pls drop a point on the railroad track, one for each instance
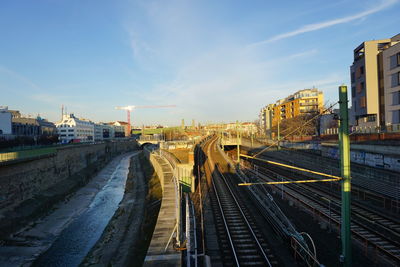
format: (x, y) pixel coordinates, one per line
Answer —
(241, 242)
(367, 226)
(379, 221)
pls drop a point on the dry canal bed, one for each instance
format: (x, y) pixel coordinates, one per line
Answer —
(68, 232)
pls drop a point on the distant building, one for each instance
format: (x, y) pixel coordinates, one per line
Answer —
(328, 121)
(303, 102)
(121, 129)
(5, 121)
(103, 131)
(46, 127)
(25, 127)
(265, 119)
(71, 128)
(248, 128)
(369, 82)
(391, 73)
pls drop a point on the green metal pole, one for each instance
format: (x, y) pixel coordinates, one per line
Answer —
(344, 143)
(279, 135)
(238, 142)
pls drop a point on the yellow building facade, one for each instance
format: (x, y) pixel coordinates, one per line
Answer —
(303, 102)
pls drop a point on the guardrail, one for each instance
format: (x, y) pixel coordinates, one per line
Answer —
(191, 242)
(27, 154)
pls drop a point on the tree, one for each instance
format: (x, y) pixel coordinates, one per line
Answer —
(297, 126)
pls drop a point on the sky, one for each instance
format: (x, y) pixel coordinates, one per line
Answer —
(217, 61)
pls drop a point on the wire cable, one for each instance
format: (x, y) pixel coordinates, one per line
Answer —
(313, 118)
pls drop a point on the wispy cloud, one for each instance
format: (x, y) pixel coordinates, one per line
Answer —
(20, 78)
(325, 24)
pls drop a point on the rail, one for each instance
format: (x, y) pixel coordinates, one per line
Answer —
(362, 232)
(228, 205)
(276, 217)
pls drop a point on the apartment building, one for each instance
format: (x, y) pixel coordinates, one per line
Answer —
(391, 73)
(303, 102)
(368, 82)
(265, 119)
(71, 128)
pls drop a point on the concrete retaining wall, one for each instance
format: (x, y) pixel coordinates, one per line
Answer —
(43, 177)
(383, 157)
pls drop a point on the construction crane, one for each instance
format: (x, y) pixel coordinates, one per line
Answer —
(131, 108)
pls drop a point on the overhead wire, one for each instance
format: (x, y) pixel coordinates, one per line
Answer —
(308, 121)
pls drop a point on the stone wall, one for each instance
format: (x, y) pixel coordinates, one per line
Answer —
(156, 165)
(43, 179)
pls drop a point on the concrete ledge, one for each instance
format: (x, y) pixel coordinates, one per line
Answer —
(161, 251)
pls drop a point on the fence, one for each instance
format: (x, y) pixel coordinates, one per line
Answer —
(27, 154)
(394, 128)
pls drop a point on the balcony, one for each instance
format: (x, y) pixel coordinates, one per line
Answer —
(309, 104)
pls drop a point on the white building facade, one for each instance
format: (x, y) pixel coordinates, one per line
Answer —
(73, 129)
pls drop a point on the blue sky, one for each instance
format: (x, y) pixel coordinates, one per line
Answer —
(218, 61)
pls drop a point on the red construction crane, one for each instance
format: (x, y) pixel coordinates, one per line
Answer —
(131, 108)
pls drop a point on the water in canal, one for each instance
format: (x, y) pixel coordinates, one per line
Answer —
(75, 241)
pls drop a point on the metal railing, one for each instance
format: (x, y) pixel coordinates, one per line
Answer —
(191, 239)
(394, 128)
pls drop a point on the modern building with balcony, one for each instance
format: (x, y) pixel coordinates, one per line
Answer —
(391, 73)
(303, 102)
(368, 81)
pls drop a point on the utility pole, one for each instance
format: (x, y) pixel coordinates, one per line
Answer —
(238, 142)
(344, 143)
(252, 138)
(279, 134)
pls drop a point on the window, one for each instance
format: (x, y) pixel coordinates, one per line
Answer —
(395, 61)
(353, 78)
(353, 91)
(398, 59)
(396, 79)
(371, 118)
(396, 116)
(63, 131)
(362, 70)
(70, 130)
(363, 102)
(396, 98)
(360, 87)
